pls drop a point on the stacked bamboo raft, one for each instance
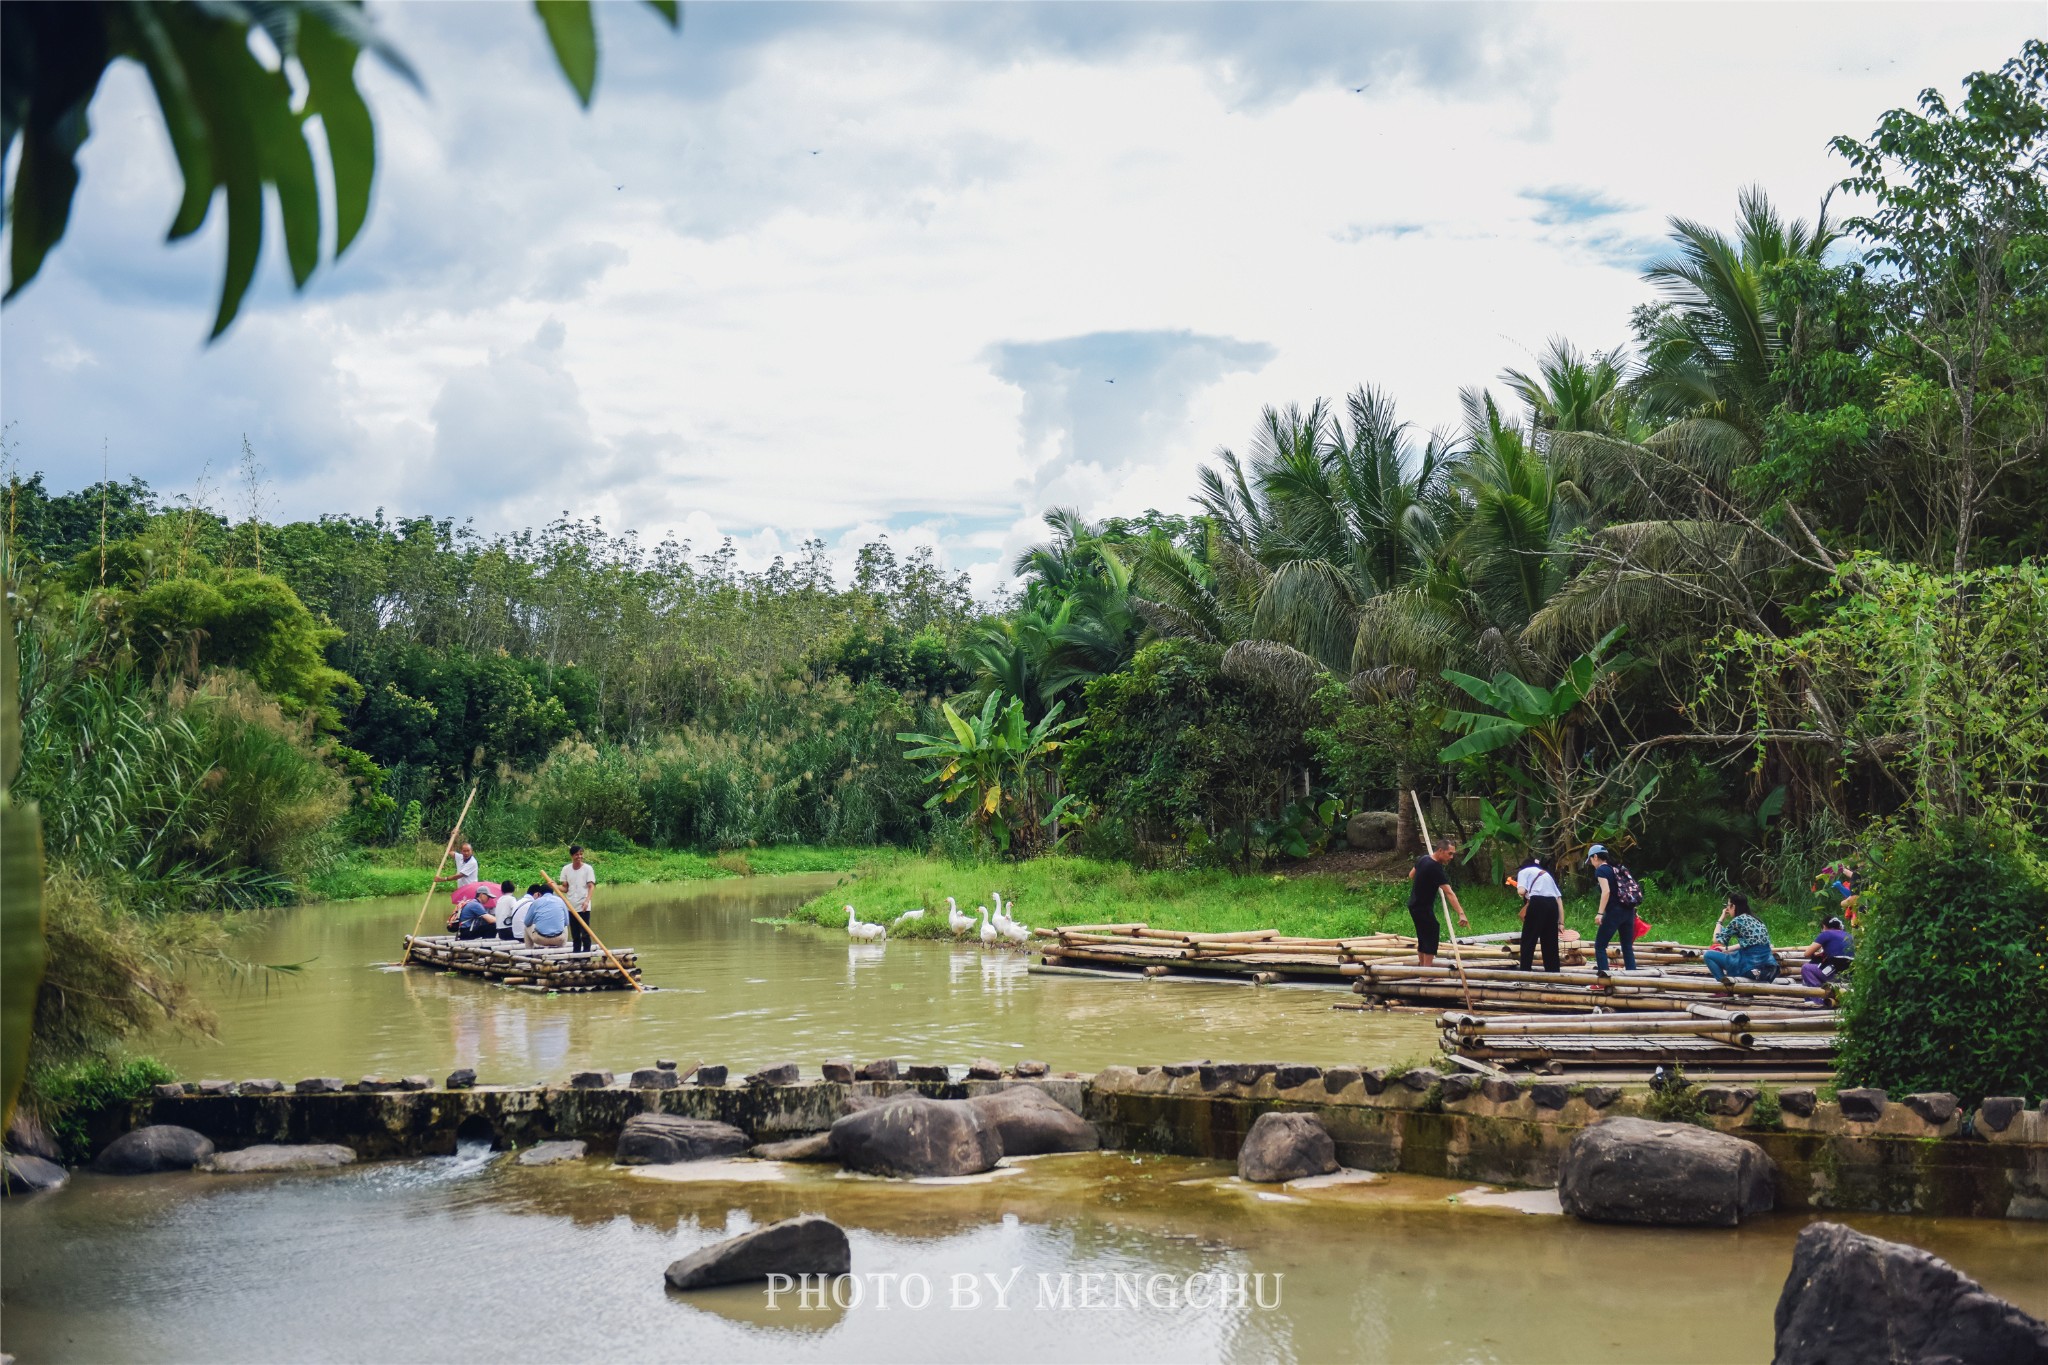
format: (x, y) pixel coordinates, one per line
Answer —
(1260, 953)
(1570, 991)
(513, 964)
(1747, 1037)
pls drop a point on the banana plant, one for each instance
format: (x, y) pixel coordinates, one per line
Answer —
(996, 758)
(23, 948)
(1544, 724)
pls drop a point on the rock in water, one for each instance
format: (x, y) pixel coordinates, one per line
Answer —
(548, 1153)
(302, 1156)
(1286, 1147)
(1031, 1122)
(1854, 1298)
(159, 1147)
(810, 1147)
(913, 1136)
(663, 1139)
(1626, 1170)
(805, 1245)
(27, 1174)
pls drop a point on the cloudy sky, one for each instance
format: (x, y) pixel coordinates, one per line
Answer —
(847, 270)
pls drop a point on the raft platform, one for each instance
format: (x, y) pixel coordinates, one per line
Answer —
(541, 970)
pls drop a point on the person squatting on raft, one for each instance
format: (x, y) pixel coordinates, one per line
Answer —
(474, 918)
(1428, 877)
(1752, 953)
(1542, 912)
(1831, 950)
(1616, 917)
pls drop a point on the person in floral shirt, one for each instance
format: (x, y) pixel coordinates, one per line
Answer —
(1745, 943)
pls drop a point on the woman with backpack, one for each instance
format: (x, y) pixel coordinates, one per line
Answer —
(1620, 894)
(1745, 944)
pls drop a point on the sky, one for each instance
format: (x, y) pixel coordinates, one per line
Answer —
(842, 271)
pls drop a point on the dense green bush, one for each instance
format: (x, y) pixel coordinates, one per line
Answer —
(66, 1095)
(1951, 984)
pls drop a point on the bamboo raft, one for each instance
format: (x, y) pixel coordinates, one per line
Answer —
(1750, 1037)
(512, 964)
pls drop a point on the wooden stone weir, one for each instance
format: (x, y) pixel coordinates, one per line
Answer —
(513, 964)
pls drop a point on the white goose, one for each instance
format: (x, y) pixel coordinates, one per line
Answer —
(1001, 921)
(866, 933)
(988, 931)
(1019, 933)
(906, 917)
(956, 921)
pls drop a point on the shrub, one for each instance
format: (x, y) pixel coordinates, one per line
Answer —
(67, 1095)
(1951, 984)
(587, 793)
(1678, 1100)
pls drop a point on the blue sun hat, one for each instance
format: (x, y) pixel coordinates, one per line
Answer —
(1600, 849)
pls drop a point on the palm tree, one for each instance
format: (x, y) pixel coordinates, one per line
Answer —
(1710, 348)
(1573, 391)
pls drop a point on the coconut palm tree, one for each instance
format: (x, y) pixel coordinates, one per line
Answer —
(1572, 390)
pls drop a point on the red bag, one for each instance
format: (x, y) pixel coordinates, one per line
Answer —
(1642, 926)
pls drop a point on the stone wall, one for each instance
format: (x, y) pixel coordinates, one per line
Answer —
(1922, 1155)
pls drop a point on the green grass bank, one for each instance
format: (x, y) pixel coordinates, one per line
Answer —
(1053, 891)
(402, 871)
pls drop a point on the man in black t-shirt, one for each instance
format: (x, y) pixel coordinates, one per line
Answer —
(1426, 878)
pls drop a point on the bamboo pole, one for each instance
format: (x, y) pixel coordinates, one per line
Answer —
(453, 835)
(631, 980)
(1422, 823)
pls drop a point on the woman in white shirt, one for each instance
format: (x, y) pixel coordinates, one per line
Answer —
(1542, 912)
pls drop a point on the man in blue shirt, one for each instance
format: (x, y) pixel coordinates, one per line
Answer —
(547, 921)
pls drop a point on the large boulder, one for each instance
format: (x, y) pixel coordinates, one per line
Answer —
(549, 1153)
(805, 1245)
(663, 1139)
(1627, 1170)
(26, 1135)
(1286, 1147)
(159, 1147)
(1032, 1123)
(297, 1156)
(1853, 1298)
(1372, 830)
(809, 1147)
(914, 1136)
(25, 1174)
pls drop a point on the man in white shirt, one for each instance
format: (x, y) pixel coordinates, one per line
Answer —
(1542, 912)
(465, 868)
(579, 880)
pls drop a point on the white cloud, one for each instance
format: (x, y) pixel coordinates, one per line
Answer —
(819, 272)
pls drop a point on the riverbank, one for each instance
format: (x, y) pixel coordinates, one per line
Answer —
(363, 873)
(1054, 891)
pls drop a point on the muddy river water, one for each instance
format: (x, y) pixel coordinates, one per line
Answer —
(1103, 1256)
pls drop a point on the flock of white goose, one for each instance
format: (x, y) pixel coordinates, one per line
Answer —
(994, 930)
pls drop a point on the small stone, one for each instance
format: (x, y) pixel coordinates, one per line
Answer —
(374, 1085)
(216, 1087)
(1457, 1088)
(1287, 1077)
(810, 1147)
(1499, 1089)
(1210, 1075)
(189, 1087)
(590, 1080)
(709, 1075)
(1178, 1069)
(1861, 1105)
(1032, 1068)
(1550, 1094)
(1600, 1096)
(262, 1085)
(548, 1153)
(1244, 1073)
(268, 1156)
(1997, 1112)
(319, 1085)
(1800, 1102)
(169, 1091)
(839, 1073)
(1338, 1078)
(25, 1174)
(462, 1078)
(802, 1246)
(782, 1073)
(1727, 1101)
(1936, 1107)
(404, 1083)
(928, 1075)
(1421, 1078)
(665, 1063)
(1280, 1147)
(1375, 1079)
(883, 1070)
(984, 1069)
(654, 1078)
